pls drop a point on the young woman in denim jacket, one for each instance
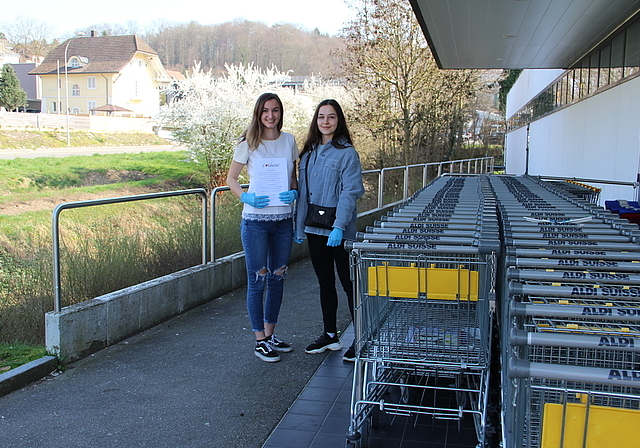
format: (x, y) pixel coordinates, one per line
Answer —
(329, 175)
(266, 229)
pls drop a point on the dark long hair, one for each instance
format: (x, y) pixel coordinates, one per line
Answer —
(314, 136)
(253, 133)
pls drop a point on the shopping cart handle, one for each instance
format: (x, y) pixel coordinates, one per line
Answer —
(517, 309)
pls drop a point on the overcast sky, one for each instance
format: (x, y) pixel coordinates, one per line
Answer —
(65, 16)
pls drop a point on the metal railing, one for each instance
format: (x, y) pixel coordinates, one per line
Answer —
(78, 204)
(468, 166)
(429, 171)
(214, 195)
(480, 165)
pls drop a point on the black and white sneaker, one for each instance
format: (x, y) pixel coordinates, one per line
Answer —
(266, 352)
(350, 354)
(324, 342)
(279, 345)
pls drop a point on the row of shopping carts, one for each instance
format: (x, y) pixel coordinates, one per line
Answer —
(569, 318)
(424, 291)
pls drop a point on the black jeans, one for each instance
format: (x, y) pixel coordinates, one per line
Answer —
(324, 258)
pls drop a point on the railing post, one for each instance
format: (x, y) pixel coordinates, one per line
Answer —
(56, 262)
(205, 229)
(380, 188)
(424, 174)
(405, 193)
(213, 218)
(212, 223)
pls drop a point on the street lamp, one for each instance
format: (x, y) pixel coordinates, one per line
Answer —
(66, 88)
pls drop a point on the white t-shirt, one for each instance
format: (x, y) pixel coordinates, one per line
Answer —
(283, 147)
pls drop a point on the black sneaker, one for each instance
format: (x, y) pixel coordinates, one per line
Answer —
(350, 354)
(324, 342)
(279, 345)
(266, 352)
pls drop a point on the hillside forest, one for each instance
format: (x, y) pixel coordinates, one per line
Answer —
(289, 47)
(405, 109)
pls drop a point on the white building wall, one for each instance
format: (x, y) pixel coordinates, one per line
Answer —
(145, 100)
(596, 138)
(515, 151)
(528, 85)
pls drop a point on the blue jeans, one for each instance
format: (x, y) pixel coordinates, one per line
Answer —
(267, 246)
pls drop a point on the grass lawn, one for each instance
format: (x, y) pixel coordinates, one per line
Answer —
(15, 355)
(29, 191)
(57, 138)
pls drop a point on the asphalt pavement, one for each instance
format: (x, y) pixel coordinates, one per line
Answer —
(192, 381)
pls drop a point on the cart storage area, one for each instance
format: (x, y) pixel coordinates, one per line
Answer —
(569, 320)
(425, 278)
(504, 301)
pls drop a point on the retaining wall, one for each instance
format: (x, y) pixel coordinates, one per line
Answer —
(19, 120)
(79, 330)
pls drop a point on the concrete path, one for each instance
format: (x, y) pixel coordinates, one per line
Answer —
(192, 381)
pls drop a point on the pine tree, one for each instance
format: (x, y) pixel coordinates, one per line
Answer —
(12, 96)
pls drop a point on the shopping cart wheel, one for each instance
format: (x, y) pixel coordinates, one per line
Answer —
(353, 440)
(360, 439)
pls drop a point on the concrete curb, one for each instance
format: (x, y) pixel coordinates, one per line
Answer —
(26, 374)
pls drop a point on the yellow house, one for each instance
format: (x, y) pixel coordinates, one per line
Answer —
(119, 75)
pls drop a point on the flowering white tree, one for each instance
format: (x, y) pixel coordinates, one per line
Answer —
(207, 114)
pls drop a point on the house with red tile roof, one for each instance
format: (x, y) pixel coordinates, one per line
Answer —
(119, 75)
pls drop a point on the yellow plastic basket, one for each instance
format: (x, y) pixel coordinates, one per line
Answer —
(412, 281)
(606, 427)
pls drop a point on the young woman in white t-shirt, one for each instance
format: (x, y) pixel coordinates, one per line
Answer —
(267, 219)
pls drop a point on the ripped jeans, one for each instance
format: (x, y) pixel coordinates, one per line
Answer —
(267, 246)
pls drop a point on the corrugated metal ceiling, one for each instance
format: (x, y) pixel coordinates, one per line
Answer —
(498, 34)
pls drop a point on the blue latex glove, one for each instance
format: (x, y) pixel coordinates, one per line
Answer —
(254, 201)
(288, 196)
(298, 240)
(335, 237)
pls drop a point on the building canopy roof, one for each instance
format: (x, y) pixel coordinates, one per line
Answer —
(518, 34)
(103, 54)
(110, 108)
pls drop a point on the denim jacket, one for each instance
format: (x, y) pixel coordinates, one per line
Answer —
(334, 178)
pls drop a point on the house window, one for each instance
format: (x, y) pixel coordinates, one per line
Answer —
(75, 63)
(91, 105)
(54, 107)
(632, 50)
(91, 82)
(75, 90)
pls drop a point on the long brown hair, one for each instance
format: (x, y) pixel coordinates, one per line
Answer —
(314, 136)
(253, 133)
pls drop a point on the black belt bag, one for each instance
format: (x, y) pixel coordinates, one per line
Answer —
(317, 215)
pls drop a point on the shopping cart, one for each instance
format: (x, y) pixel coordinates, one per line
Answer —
(570, 321)
(423, 313)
